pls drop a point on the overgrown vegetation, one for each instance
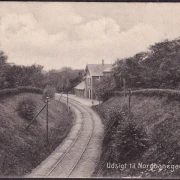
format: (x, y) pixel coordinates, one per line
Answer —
(63, 78)
(157, 68)
(22, 150)
(27, 108)
(104, 88)
(151, 135)
(129, 142)
(162, 93)
(13, 91)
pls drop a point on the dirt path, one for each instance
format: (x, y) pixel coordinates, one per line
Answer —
(79, 153)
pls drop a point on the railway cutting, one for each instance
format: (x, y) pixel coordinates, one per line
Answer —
(79, 153)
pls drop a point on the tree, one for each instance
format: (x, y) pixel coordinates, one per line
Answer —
(157, 68)
(4, 67)
(59, 78)
(104, 88)
(128, 70)
(25, 76)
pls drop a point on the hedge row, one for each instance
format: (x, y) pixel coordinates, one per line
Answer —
(14, 91)
(168, 93)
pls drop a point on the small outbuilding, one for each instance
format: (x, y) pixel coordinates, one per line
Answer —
(80, 89)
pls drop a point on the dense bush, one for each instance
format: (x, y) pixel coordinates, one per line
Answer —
(49, 91)
(168, 93)
(104, 89)
(14, 91)
(30, 89)
(27, 108)
(126, 139)
(63, 79)
(115, 117)
(128, 142)
(7, 92)
(158, 67)
(166, 145)
(16, 76)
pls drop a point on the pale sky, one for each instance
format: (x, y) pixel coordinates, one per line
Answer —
(57, 34)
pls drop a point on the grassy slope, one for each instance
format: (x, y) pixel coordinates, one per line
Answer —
(160, 118)
(22, 150)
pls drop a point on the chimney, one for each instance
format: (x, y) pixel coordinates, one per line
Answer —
(102, 65)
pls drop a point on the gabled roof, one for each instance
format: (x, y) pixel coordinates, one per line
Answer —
(109, 69)
(80, 85)
(96, 69)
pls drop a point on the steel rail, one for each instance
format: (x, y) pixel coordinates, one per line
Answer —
(71, 146)
(65, 152)
(92, 130)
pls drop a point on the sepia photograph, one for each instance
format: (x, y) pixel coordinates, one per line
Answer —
(89, 90)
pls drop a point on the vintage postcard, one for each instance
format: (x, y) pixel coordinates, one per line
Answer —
(89, 90)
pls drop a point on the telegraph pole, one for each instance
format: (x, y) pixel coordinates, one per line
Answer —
(47, 100)
(124, 84)
(124, 80)
(45, 106)
(67, 95)
(130, 92)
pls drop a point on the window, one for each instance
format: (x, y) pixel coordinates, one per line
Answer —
(89, 81)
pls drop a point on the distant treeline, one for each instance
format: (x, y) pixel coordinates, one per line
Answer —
(13, 76)
(159, 67)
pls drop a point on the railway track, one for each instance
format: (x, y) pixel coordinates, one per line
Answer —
(79, 153)
(64, 167)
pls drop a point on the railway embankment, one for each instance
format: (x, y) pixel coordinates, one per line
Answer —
(142, 141)
(21, 149)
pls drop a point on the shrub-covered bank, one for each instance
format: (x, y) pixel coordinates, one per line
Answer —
(23, 89)
(22, 150)
(167, 93)
(155, 122)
